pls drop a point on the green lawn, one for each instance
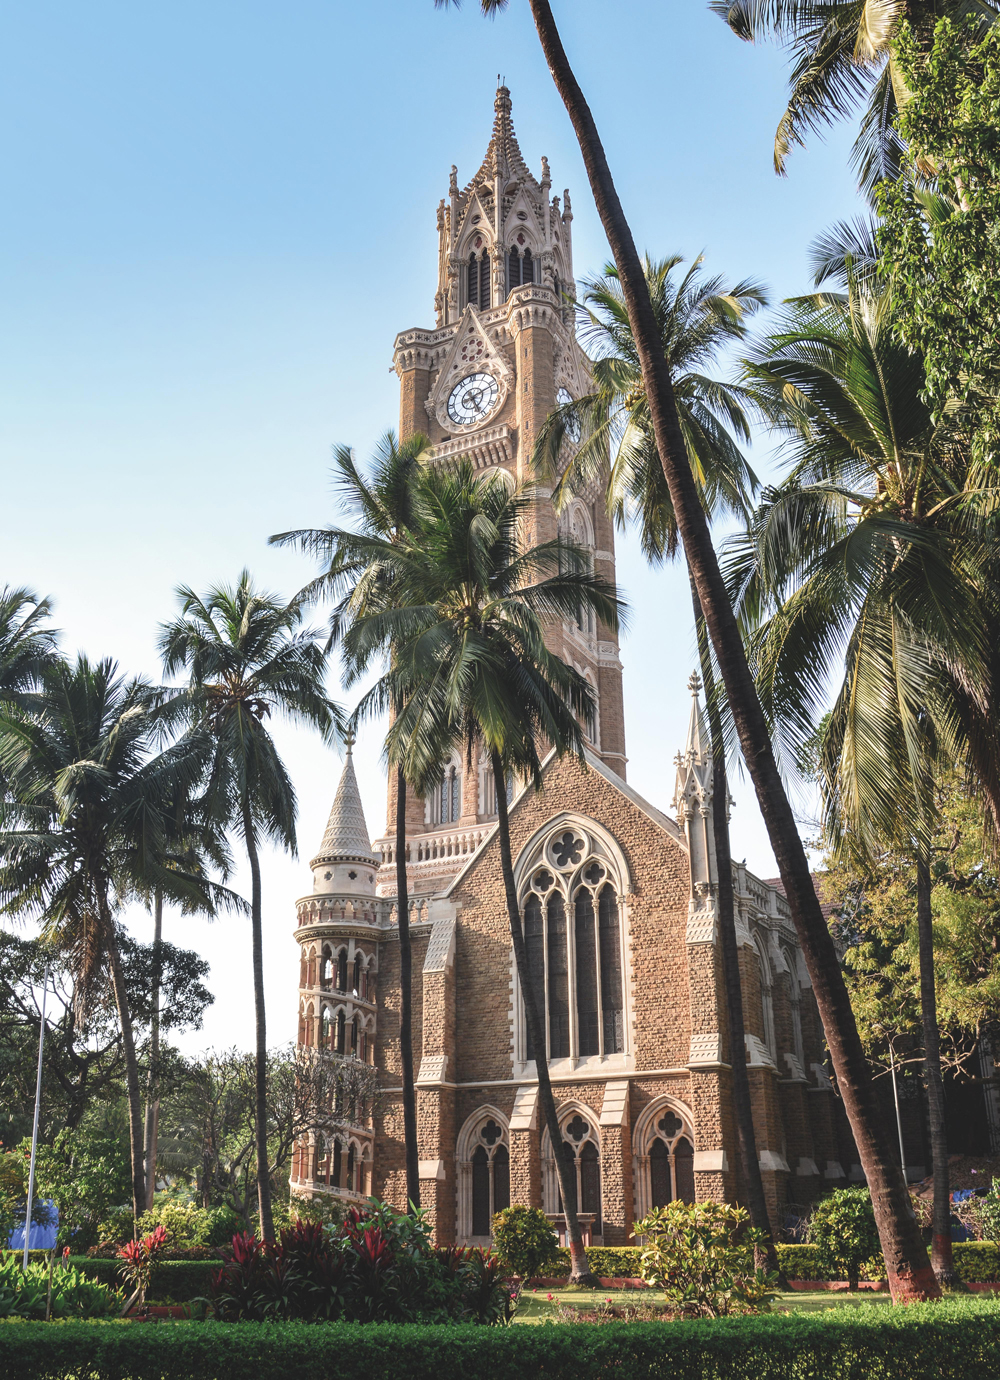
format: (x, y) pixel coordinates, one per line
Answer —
(543, 1304)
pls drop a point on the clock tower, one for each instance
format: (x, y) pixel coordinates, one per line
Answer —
(502, 355)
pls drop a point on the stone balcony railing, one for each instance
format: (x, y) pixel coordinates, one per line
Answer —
(427, 852)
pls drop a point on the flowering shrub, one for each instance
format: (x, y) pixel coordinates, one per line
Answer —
(376, 1266)
(140, 1258)
(702, 1256)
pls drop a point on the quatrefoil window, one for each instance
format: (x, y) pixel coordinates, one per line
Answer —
(567, 849)
(577, 1128)
(491, 1133)
(542, 880)
(669, 1125)
(593, 873)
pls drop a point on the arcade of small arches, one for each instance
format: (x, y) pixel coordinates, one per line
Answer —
(519, 264)
(341, 1163)
(338, 1027)
(572, 883)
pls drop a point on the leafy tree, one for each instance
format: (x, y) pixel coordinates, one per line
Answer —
(83, 1061)
(939, 241)
(209, 1133)
(875, 902)
(84, 828)
(842, 1226)
(910, 1275)
(359, 580)
(248, 658)
(27, 643)
(844, 56)
(466, 624)
(697, 318)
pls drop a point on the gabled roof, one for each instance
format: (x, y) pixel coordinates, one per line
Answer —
(595, 764)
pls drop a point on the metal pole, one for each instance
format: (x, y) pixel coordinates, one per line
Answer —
(899, 1124)
(34, 1129)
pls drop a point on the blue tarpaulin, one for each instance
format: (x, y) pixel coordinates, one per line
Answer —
(44, 1228)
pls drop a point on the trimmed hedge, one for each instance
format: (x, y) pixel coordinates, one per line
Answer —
(607, 1262)
(954, 1340)
(174, 1281)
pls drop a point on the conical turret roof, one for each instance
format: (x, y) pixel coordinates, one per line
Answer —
(346, 838)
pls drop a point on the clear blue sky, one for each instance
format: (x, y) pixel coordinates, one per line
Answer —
(216, 218)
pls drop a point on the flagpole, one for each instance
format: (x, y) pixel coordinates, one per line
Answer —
(34, 1129)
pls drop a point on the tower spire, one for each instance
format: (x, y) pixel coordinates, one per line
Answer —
(346, 838)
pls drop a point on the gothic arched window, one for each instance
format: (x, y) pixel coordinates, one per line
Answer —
(520, 268)
(663, 1156)
(356, 983)
(574, 943)
(484, 1173)
(766, 1001)
(341, 1032)
(342, 971)
(478, 281)
(448, 801)
(580, 1148)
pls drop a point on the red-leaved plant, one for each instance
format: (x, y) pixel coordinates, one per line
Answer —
(138, 1261)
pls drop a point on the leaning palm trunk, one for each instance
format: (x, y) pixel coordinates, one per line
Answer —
(260, 1022)
(752, 1181)
(406, 1002)
(131, 1064)
(580, 1272)
(153, 1077)
(941, 1253)
(907, 1266)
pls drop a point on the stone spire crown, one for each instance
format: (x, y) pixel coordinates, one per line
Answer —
(694, 765)
(346, 840)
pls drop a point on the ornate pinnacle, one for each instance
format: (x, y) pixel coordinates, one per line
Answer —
(694, 683)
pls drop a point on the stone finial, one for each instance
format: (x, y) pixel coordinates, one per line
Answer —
(567, 207)
(546, 175)
(694, 683)
(453, 181)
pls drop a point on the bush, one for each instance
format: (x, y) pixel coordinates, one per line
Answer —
(801, 1262)
(189, 1227)
(954, 1340)
(702, 1256)
(24, 1294)
(976, 1262)
(842, 1228)
(378, 1266)
(525, 1241)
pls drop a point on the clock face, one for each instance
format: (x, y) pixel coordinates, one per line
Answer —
(473, 399)
(563, 397)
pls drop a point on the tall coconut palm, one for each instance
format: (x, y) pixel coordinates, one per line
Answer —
(359, 580)
(249, 659)
(698, 318)
(85, 823)
(878, 550)
(907, 1266)
(471, 666)
(842, 59)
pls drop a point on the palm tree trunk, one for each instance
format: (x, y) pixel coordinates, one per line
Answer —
(260, 1022)
(153, 1077)
(752, 1181)
(406, 1002)
(941, 1253)
(580, 1272)
(907, 1266)
(131, 1064)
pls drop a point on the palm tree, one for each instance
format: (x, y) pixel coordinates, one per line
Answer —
(908, 1269)
(874, 550)
(358, 578)
(27, 643)
(85, 821)
(842, 55)
(196, 846)
(248, 658)
(697, 317)
(470, 666)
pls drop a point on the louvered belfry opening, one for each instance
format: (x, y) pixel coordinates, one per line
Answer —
(479, 280)
(520, 269)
